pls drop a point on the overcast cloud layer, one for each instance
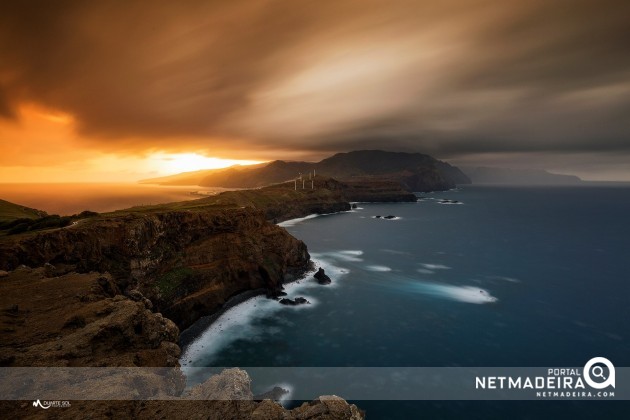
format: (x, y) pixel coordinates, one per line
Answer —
(452, 78)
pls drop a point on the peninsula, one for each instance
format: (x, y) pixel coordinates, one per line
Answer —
(115, 289)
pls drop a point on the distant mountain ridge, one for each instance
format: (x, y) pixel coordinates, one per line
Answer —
(414, 172)
(488, 175)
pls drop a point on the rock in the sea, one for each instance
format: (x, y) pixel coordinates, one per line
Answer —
(294, 302)
(354, 205)
(377, 217)
(274, 394)
(321, 277)
(389, 217)
(275, 294)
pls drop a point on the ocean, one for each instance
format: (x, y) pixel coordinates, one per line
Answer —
(496, 276)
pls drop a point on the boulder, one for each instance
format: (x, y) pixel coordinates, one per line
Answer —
(274, 394)
(321, 277)
(275, 294)
(294, 302)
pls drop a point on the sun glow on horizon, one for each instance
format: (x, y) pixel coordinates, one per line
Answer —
(170, 164)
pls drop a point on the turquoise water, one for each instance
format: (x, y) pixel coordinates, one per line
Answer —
(506, 277)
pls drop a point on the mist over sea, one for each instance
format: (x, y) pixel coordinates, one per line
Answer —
(505, 276)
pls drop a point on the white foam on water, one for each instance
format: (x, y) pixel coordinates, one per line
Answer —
(468, 294)
(233, 324)
(344, 255)
(293, 222)
(448, 202)
(435, 266)
(286, 398)
(425, 271)
(238, 321)
(351, 252)
(332, 269)
(380, 268)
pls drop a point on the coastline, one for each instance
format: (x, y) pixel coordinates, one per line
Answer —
(192, 333)
(125, 276)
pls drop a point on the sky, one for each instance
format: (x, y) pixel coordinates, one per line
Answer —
(124, 90)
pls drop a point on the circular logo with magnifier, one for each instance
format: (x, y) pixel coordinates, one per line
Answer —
(598, 376)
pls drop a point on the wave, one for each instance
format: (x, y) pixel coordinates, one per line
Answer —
(435, 266)
(344, 255)
(331, 267)
(293, 222)
(468, 294)
(351, 252)
(380, 268)
(239, 322)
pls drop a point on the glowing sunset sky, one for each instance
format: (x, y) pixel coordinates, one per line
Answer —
(124, 90)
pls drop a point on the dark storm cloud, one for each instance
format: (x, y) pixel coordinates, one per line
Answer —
(449, 78)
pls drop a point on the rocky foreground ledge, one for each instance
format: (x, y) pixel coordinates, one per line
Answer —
(223, 396)
(115, 289)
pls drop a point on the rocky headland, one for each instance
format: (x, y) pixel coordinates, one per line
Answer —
(116, 289)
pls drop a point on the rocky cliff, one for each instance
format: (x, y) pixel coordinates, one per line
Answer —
(116, 288)
(188, 263)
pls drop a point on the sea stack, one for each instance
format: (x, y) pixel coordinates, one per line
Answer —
(321, 277)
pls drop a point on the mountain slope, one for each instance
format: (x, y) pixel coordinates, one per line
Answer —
(11, 211)
(195, 177)
(413, 171)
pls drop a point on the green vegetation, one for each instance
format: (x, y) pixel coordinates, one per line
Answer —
(262, 198)
(170, 281)
(11, 211)
(24, 224)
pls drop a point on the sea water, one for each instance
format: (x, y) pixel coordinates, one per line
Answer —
(498, 276)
